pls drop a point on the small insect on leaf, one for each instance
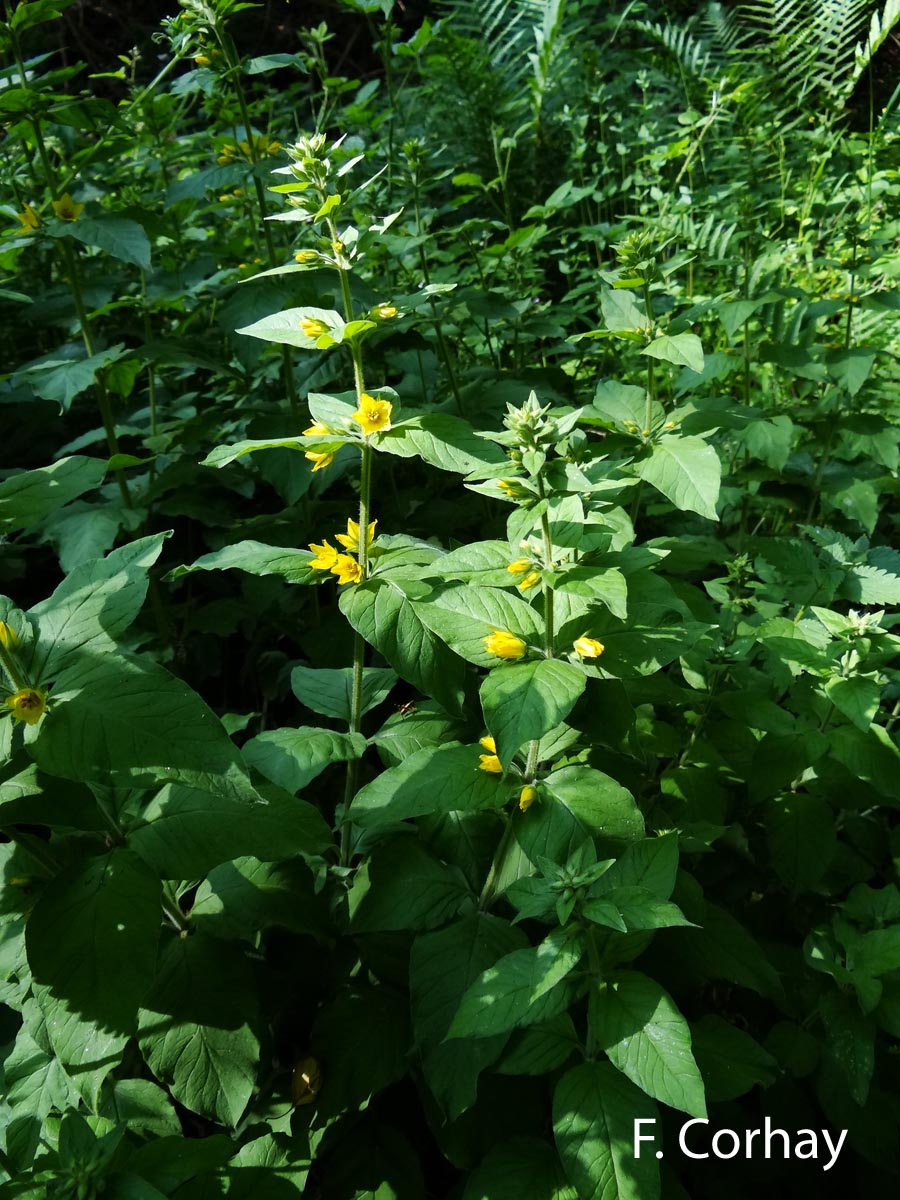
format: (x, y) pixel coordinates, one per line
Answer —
(306, 1081)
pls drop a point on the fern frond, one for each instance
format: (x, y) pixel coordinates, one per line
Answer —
(880, 27)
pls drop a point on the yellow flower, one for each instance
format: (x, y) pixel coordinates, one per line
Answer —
(586, 647)
(373, 415)
(202, 60)
(312, 327)
(347, 569)
(527, 797)
(317, 429)
(306, 256)
(489, 762)
(8, 639)
(504, 644)
(520, 566)
(531, 580)
(29, 218)
(66, 208)
(274, 148)
(326, 556)
(28, 705)
(320, 459)
(384, 312)
(350, 539)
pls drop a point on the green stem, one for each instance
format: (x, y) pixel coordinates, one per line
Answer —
(548, 565)
(487, 892)
(172, 908)
(597, 977)
(11, 667)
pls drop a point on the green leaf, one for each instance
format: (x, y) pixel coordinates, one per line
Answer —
(523, 1168)
(293, 757)
(330, 692)
(463, 617)
(857, 697)
(651, 863)
(122, 238)
(802, 838)
(851, 367)
(519, 988)
(384, 615)
(730, 1061)
(30, 496)
(87, 1048)
(594, 1114)
(256, 559)
(434, 779)
(442, 441)
(221, 456)
(540, 1048)
(524, 701)
(238, 899)
(96, 921)
(195, 1027)
(114, 719)
(645, 1036)
(356, 1064)
(62, 379)
(142, 1106)
(92, 606)
(723, 949)
(872, 756)
(187, 831)
(636, 907)
(605, 584)
(682, 349)
(285, 329)
(442, 965)
(588, 803)
(687, 471)
(402, 886)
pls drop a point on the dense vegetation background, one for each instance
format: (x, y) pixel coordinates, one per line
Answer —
(448, 519)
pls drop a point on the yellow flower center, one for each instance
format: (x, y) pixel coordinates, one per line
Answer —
(28, 705)
(373, 416)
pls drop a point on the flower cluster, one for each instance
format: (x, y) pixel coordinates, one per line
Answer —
(346, 567)
(257, 146)
(526, 568)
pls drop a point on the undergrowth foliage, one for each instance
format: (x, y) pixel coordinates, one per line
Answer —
(449, 663)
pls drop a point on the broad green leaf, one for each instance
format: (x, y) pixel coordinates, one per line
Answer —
(221, 456)
(187, 832)
(293, 757)
(131, 722)
(519, 988)
(239, 898)
(256, 559)
(521, 1169)
(442, 441)
(540, 1048)
(195, 1029)
(682, 349)
(721, 948)
(88, 1049)
(802, 838)
(464, 617)
(593, 804)
(622, 403)
(850, 367)
(605, 584)
(522, 702)
(442, 965)
(96, 921)
(358, 1063)
(651, 863)
(402, 886)
(872, 756)
(636, 907)
(857, 697)
(620, 312)
(330, 692)
(122, 238)
(645, 1036)
(437, 779)
(730, 1061)
(595, 1110)
(35, 1082)
(386, 617)
(877, 952)
(142, 1106)
(61, 380)
(285, 328)
(31, 496)
(168, 1162)
(687, 471)
(91, 607)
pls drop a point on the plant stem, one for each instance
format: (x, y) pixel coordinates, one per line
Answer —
(172, 908)
(487, 892)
